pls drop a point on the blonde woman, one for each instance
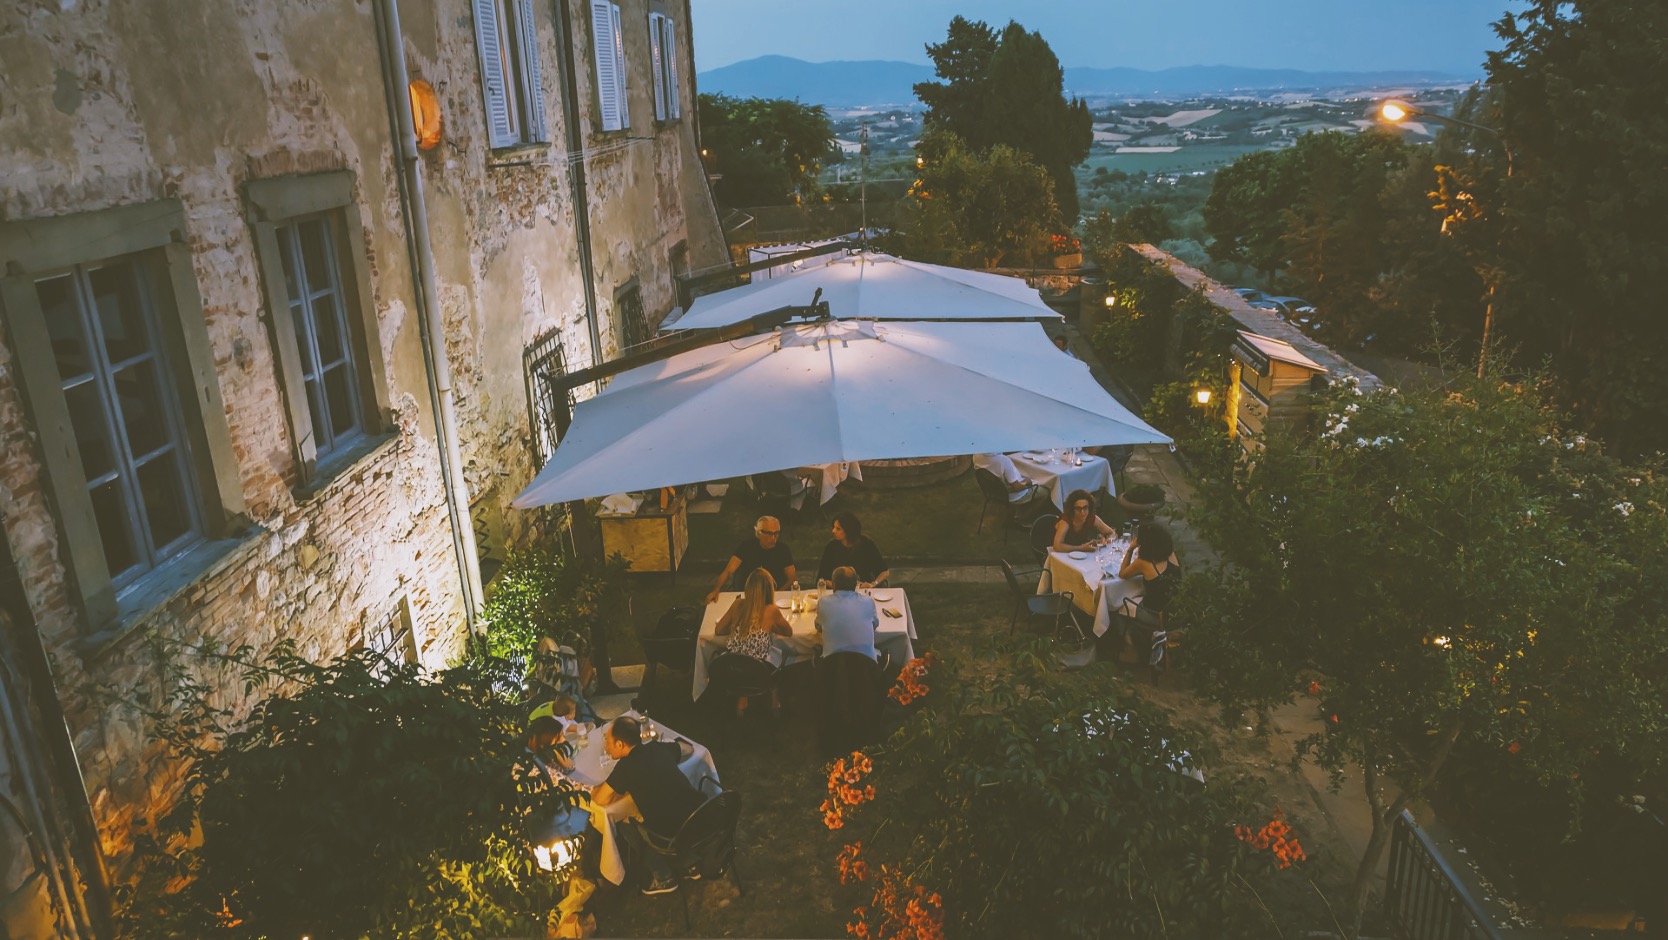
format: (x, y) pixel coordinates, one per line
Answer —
(754, 618)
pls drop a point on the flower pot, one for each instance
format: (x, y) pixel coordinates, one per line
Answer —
(1139, 510)
(1067, 262)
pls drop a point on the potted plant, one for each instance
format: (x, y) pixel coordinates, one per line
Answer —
(1067, 252)
(1141, 499)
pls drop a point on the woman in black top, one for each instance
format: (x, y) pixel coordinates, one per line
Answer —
(850, 547)
(1152, 556)
(1079, 529)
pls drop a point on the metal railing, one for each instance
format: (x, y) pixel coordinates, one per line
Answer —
(1425, 899)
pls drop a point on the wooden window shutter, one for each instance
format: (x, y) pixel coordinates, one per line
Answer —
(620, 99)
(657, 65)
(669, 49)
(602, 34)
(500, 130)
(534, 76)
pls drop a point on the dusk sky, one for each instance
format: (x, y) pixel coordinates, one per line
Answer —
(1445, 35)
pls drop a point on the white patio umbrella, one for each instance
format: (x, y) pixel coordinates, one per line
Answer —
(870, 286)
(827, 392)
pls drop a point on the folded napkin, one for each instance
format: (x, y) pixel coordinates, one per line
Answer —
(619, 504)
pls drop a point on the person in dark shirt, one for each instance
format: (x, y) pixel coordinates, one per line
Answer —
(850, 548)
(764, 550)
(649, 774)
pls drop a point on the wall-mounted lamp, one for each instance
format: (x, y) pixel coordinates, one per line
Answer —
(425, 115)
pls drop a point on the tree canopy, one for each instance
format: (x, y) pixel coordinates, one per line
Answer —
(979, 208)
(1455, 574)
(1008, 89)
(1585, 233)
(769, 151)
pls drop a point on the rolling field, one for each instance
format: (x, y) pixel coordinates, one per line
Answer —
(1203, 157)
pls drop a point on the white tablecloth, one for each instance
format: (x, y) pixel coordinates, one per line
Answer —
(1093, 580)
(592, 765)
(833, 474)
(1061, 478)
(893, 636)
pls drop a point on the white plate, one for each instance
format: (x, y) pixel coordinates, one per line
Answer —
(882, 596)
(785, 605)
(1079, 555)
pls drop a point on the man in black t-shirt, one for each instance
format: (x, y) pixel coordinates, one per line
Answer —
(764, 550)
(649, 774)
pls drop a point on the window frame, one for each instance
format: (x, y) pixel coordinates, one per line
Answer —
(633, 329)
(510, 28)
(35, 249)
(663, 64)
(274, 204)
(543, 361)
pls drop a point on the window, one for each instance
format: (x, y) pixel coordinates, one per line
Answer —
(663, 51)
(112, 355)
(123, 416)
(508, 40)
(609, 46)
(550, 408)
(629, 319)
(310, 244)
(392, 639)
(319, 316)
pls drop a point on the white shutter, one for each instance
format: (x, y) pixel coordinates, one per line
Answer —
(500, 130)
(669, 49)
(657, 65)
(533, 76)
(602, 33)
(621, 100)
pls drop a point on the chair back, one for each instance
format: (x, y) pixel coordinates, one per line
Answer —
(1119, 456)
(851, 693)
(740, 675)
(991, 485)
(1013, 581)
(672, 641)
(707, 839)
(1042, 534)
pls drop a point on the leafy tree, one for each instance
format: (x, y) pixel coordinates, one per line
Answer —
(1456, 574)
(1031, 806)
(769, 151)
(979, 208)
(359, 798)
(1586, 217)
(1008, 89)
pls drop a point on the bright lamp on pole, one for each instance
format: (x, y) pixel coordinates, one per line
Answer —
(1202, 396)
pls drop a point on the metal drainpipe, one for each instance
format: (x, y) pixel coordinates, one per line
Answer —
(431, 324)
(576, 174)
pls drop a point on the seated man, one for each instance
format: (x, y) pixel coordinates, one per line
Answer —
(649, 774)
(764, 549)
(1020, 489)
(847, 619)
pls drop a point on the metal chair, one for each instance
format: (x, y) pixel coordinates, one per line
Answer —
(671, 642)
(734, 677)
(1055, 606)
(1118, 457)
(705, 847)
(851, 692)
(1042, 534)
(995, 492)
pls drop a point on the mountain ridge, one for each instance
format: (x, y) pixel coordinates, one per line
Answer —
(875, 82)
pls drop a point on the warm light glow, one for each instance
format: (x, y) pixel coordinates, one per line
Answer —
(1443, 642)
(920, 161)
(1111, 300)
(425, 115)
(1202, 396)
(557, 855)
(1393, 111)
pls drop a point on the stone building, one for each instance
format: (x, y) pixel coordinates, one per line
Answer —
(269, 369)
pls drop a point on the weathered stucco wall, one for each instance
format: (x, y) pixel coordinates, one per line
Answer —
(107, 104)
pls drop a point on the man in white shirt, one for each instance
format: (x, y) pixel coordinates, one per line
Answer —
(1020, 489)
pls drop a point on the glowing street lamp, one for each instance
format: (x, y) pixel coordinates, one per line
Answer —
(1202, 396)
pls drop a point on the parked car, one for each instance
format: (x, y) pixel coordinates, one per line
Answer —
(1248, 293)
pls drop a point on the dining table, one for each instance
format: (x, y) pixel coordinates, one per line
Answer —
(1063, 472)
(894, 635)
(1092, 578)
(592, 765)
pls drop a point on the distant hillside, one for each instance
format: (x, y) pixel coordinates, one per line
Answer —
(876, 83)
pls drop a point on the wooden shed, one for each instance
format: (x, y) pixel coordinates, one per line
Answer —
(1273, 386)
